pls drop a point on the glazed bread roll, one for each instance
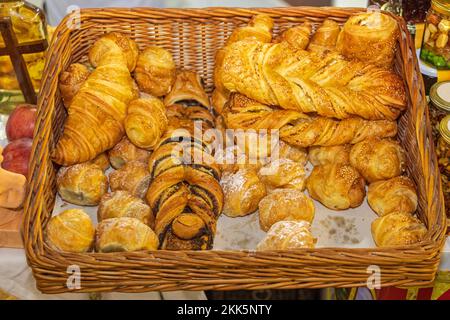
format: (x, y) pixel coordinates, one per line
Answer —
(394, 195)
(286, 235)
(124, 234)
(369, 37)
(102, 161)
(70, 81)
(71, 230)
(146, 122)
(286, 151)
(378, 159)
(397, 229)
(232, 159)
(285, 204)
(337, 186)
(83, 184)
(325, 37)
(124, 152)
(132, 177)
(187, 88)
(242, 190)
(123, 204)
(155, 71)
(326, 155)
(283, 173)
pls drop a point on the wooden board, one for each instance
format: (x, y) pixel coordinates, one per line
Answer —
(10, 228)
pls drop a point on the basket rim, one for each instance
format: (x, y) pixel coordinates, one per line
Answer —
(42, 255)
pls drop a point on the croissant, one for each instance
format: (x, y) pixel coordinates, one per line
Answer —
(155, 71)
(146, 122)
(285, 235)
(325, 155)
(124, 152)
(397, 229)
(187, 88)
(327, 84)
(132, 177)
(70, 81)
(370, 37)
(325, 37)
(285, 204)
(95, 116)
(124, 234)
(71, 230)
(297, 37)
(123, 204)
(302, 131)
(378, 159)
(243, 191)
(83, 184)
(259, 28)
(396, 194)
(337, 186)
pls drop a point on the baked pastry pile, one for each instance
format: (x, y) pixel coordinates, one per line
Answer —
(331, 97)
(134, 111)
(335, 93)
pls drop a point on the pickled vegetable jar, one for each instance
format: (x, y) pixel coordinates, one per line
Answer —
(435, 45)
(439, 106)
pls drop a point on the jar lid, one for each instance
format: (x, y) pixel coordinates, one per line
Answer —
(441, 6)
(444, 128)
(440, 95)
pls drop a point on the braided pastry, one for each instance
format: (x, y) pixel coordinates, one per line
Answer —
(327, 84)
(300, 130)
(185, 195)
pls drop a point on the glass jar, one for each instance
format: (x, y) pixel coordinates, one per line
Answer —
(28, 24)
(439, 106)
(443, 155)
(435, 45)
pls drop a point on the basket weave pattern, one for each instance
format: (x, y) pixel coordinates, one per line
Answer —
(193, 36)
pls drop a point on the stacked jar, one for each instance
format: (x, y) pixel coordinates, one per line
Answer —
(440, 121)
(436, 45)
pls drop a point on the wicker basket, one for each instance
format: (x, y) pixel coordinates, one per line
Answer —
(193, 35)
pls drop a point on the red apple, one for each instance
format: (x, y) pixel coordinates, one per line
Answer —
(21, 122)
(16, 156)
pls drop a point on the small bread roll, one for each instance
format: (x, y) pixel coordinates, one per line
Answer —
(337, 186)
(396, 194)
(285, 235)
(286, 151)
(333, 154)
(71, 80)
(396, 229)
(72, 230)
(124, 234)
(101, 161)
(125, 151)
(146, 122)
(242, 190)
(232, 158)
(285, 204)
(155, 71)
(128, 46)
(83, 184)
(123, 204)
(133, 177)
(378, 159)
(283, 173)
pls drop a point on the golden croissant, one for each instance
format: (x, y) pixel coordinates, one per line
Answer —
(300, 130)
(325, 37)
(326, 84)
(96, 113)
